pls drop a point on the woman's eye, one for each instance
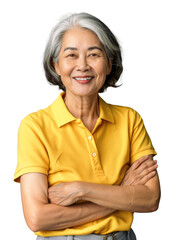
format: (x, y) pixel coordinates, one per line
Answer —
(71, 55)
(94, 55)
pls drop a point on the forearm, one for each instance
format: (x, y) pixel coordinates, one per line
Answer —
(134, 198)
(59, 217)
(41, 215)
(117, 197)
(138, 192)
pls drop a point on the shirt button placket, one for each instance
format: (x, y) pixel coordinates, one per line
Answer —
(94, 154)
(90, 138)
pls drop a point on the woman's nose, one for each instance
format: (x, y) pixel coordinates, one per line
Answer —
(82, 64)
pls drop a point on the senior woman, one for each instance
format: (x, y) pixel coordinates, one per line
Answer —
(84, 165)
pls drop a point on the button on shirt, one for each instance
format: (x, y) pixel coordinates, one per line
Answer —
(52, 141)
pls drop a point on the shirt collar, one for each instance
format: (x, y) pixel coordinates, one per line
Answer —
(61, 113)
(63, 116)
(105, 111)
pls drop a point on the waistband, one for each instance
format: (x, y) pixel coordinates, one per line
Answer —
(122, 235)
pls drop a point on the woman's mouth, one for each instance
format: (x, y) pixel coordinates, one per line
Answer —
(83, 79)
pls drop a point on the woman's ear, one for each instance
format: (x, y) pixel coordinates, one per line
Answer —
(56, 67)
(109, 67)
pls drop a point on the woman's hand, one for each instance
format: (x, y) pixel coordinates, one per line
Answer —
(141, 171)
(65, 194)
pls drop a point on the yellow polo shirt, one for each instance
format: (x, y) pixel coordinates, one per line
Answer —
(52, 141)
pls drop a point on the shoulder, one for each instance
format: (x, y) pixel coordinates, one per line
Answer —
(124, 111)
(125, 115)
(38, 119)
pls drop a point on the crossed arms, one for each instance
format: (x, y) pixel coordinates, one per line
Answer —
(59, 207)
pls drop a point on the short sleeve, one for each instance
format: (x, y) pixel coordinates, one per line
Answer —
(31, 151)
(141, 144)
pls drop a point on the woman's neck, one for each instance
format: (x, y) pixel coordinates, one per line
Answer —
(84, 107)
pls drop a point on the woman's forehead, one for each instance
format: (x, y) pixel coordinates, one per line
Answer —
(80, 37)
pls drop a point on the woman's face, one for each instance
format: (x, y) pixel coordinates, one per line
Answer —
(82, 63)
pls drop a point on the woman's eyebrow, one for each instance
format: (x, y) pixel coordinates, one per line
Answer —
(95, 47)
(89, 49)
(70, 48)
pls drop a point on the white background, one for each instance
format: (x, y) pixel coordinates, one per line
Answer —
(144, 29)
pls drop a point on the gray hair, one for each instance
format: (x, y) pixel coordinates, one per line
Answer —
(106, 37)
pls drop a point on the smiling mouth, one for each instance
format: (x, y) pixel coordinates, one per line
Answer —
(83, 78)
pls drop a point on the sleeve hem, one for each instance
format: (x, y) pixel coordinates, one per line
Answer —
(141, 154)
(29, 170)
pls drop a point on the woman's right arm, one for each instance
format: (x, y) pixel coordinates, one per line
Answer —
(40, 215)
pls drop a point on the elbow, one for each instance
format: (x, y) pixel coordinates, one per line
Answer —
(147, 206)
(33, 224)
(34, 220)
(148, 203)
(151, 208)
(153, 204)
(33, 227)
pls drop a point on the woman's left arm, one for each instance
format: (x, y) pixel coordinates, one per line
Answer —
(133, 198)
(139, 191)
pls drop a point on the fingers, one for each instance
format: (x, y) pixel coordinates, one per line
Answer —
(144, 179)
(138, 162)
(147, 166)
(144, 173)
(143, 162)
(65, 194)
(140, 172)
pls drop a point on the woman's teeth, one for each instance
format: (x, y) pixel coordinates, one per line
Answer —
(83, 79)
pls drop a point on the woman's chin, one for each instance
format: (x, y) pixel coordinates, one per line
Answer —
(84, 91)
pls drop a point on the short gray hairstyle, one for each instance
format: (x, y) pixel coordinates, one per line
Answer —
(106, 37)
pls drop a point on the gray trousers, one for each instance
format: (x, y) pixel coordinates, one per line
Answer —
(125, 235)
